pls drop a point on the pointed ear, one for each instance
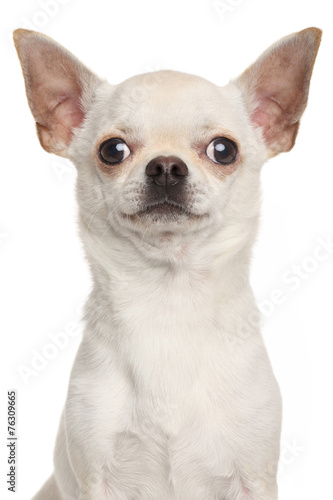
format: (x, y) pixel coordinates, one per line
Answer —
(59, 88)
(276, 87)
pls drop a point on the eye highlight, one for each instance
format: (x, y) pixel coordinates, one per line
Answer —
(222, 150)
(113, 151)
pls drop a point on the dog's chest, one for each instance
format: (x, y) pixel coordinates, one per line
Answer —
(182, 371)
(179, 350)
(180, 425)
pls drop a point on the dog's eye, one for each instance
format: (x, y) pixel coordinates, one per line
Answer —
(222, 150)
(113, 151)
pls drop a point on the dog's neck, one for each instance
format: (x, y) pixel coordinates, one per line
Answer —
(188, 278)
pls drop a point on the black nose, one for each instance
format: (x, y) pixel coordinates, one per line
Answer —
(166, 170)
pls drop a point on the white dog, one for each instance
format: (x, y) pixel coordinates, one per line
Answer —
(172, 395)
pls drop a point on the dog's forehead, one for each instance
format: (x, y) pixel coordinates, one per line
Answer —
(170, 101)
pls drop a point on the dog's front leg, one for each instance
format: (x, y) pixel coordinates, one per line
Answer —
(93, 487)
(90, 452)
(270, 493)
(267, 493)
(84, 446)
(262, 486)
(95, 414)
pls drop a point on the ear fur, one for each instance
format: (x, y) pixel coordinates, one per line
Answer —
(58, 86)
(276, 87)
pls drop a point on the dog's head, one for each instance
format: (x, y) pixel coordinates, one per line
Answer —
(164, 156)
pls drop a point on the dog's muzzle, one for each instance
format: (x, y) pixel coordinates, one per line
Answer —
(166, 185)
(166, 194)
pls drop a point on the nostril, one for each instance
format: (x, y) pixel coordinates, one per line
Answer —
(178, 169)
(154, 169)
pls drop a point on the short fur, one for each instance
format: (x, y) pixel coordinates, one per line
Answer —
(172, 395)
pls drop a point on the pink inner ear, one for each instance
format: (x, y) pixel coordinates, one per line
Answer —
(68, 113)
(54, 83)
(279, 132)
(57, 123)
(269, 115)
(278, 85)
(259, 118)
(56, 96)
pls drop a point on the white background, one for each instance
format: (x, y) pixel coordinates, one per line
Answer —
(44, 277)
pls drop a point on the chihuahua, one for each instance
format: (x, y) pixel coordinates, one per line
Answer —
(172, 395)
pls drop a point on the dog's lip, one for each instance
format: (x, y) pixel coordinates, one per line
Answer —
(165, 207)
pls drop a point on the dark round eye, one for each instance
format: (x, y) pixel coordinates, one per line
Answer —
(113, 151)
(222, 150)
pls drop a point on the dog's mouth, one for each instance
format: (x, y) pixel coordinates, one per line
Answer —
(167, 209)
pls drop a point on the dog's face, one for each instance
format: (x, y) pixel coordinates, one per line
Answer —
(167, 154)
(164, 152)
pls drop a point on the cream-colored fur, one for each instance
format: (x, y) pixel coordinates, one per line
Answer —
(172, 395)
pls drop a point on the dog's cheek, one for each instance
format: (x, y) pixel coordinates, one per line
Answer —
(222, 172)
(112, 172)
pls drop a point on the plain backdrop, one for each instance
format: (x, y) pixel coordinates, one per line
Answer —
(45, 279)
